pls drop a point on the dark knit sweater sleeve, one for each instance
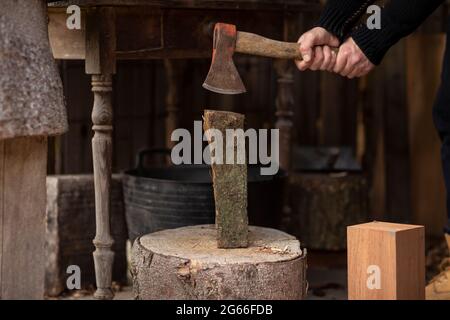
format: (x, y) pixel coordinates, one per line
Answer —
(398, 19)
(338, 16)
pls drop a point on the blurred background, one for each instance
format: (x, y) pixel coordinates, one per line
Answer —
(372, 139)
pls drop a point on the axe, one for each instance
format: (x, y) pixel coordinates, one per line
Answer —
(223, 76)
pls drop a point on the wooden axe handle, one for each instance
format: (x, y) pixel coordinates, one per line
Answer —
(250, 43)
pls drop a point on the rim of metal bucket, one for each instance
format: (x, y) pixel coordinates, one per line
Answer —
(140, 169)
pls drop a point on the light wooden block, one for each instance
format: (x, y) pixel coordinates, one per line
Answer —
(386, 261)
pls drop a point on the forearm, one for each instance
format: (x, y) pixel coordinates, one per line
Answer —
(398, 19)
(338, 16)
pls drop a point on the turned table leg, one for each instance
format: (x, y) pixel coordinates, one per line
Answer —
(284, 114)
(102, 154)
(285, 97)
(284, 111)
(100, 64)
(174, 73)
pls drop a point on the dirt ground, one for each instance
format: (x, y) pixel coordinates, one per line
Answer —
(326, 275)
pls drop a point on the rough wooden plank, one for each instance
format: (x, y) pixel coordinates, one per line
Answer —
(230, 183)
(185, 263)
(66, 43)
(337, 122)
(386, 261)
(397, 151)
(213, 4)
(424, 64)
(101, 41)
(174, 75)
(374, 159)
(153, 33)
(2, 206)
(307, 97)
(23, 225)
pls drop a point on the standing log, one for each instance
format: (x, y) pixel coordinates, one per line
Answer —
(230, 184)
(324, 204)
(185, 264)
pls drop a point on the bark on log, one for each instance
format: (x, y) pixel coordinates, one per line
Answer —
(186, 264)
(229, 181)
(323, 205)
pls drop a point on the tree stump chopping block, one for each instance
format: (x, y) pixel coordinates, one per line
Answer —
(185, 264)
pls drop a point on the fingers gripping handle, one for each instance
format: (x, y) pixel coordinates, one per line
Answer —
(254, 44)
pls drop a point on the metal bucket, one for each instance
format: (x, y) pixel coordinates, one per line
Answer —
(177, 196)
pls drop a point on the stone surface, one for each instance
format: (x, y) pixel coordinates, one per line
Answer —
(31, 94)
(185, 263)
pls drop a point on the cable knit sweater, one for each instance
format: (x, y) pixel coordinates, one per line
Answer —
(398, 19)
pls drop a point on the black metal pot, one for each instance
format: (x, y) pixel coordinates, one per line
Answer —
(177, 196)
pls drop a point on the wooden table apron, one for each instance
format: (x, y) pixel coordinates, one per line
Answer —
(145, 29)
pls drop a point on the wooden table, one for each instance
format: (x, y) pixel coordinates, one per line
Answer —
(150, 29)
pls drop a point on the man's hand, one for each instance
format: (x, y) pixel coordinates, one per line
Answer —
(351, 62)
(315, 47)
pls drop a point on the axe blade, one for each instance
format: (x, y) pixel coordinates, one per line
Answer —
(223, 76)
(224, 79)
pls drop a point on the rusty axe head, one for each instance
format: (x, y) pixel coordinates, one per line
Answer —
(223, 76)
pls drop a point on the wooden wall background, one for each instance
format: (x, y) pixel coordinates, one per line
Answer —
(386, 117)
